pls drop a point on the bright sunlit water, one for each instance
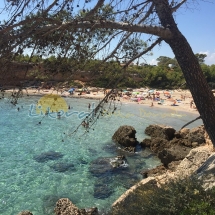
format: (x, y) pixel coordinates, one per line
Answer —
(26, 184)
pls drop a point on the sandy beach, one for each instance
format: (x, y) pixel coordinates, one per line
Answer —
(176, 98)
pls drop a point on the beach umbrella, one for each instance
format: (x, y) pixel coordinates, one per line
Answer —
(71, 90)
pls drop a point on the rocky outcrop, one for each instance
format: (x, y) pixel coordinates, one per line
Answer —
(125, 136)
(174, 153)
(65, 207)
(161, 131)
(188, 166)
(25, 213)
(172, 146)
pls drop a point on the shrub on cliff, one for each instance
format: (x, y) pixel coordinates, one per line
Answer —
(182, 197)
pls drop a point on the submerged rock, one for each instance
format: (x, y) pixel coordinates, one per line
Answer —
(25, 213)
(62, 167)
(102, 166)
(46, 156)
(125, 136)
(102, 188)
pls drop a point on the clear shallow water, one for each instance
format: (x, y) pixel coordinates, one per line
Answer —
(26, 184)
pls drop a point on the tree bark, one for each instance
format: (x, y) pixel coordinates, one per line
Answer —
(196, 82)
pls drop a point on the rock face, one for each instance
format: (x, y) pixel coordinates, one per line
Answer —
(188, 166)
(174, 153)
(160, 131)
(65, 207)
(125, 136)
(25, 213)
(170, 145)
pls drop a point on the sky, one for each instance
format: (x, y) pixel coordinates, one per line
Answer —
(196, 22)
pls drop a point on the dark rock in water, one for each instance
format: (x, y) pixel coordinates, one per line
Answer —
(83, 162)
(25, 213)
(62, 167)
(102, 166)
(126, 179)
(125, 136)
(111, 148)
(102, 188)
(92, 151)
(160, 131)
(46, 156)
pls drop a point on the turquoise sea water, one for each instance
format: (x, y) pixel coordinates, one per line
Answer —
(26, 184)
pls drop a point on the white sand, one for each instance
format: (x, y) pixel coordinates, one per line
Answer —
(183, 105)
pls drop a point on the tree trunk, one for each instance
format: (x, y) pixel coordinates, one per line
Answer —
(196, 82)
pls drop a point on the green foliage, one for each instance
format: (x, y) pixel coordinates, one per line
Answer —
(201, 57)
(183, 197)
(102, 73)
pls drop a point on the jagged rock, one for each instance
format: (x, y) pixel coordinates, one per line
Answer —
(161, 169)
(160, 131)
(181, 142)
(155, 171)
(182, 133)
(46, 156)
(174, 153)
(25, 213)
(65, 207)
(197, 135)
(125, 136)
(146, 143)
(187, 167)
(173, 165)
(158, 144)
(62, 167)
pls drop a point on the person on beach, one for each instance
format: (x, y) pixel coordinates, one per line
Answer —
(58, 115)
(152, 104)
(89, 106)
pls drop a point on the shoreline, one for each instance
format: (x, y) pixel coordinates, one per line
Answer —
(167, 104)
